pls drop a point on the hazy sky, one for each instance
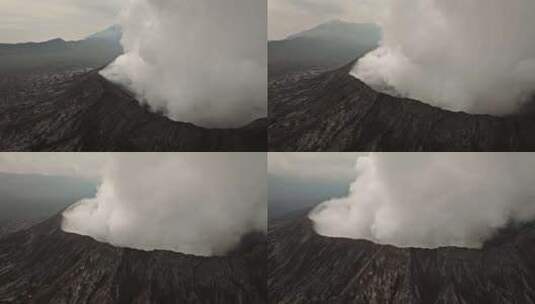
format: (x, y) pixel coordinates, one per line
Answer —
(299, 181)
(40, 20)
(33, 20)
(313, 166)
(292, 16)
(87, 165)
(306, 166)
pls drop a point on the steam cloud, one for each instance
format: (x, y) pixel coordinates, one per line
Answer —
(199, 203)
(432, 199)
(200, 61)
(474, 56)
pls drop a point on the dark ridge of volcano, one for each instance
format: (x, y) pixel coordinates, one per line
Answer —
(304, 267)
(334, 111)
(43, 264)
(86, 112)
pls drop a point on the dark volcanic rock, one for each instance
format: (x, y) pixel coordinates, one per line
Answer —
(9, 227)
(305, 267)
(45, 265)
(333, 111)
(85, 112)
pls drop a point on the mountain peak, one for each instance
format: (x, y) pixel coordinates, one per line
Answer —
(113, 32)
(55, 40)
(341, 29)
(335, 22)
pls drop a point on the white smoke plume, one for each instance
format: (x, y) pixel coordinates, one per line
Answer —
(432, 199)
(202, 61)
(475, 56)
(194, 203)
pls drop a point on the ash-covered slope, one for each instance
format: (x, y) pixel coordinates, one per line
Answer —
(46, 265)
(305, 267)
(333, 111)
(86, 112)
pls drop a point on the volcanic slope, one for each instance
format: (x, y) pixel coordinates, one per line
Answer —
(83, 111)
(333, 111)
(305, 267)
(43, 264)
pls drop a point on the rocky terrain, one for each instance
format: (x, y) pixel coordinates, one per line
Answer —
(79, 110)
(9, 227)
(305, 267)
(333, 111)
(43, 264)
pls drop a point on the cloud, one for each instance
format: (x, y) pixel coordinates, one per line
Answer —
(476, 56)
(432, 199)
(194, 203)
(203, 62)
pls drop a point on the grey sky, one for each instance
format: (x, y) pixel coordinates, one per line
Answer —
(291, 16)
(324, 166)
(305, 166)
(40, 20)
(87, 165)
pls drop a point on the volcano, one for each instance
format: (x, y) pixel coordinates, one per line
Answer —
(333, 111)
(83, 111)
(305, 267)
(43, 264)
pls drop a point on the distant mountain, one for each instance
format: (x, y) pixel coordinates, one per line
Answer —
(58, 55)
(44, 265)
(325, 46)
(306, 268)
(86, 112)
(112, 33)
(334, 111)
(364, 33)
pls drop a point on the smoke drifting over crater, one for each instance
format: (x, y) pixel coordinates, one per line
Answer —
(432, 199)
(201, 61)
(194, 203)
(474, 56)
